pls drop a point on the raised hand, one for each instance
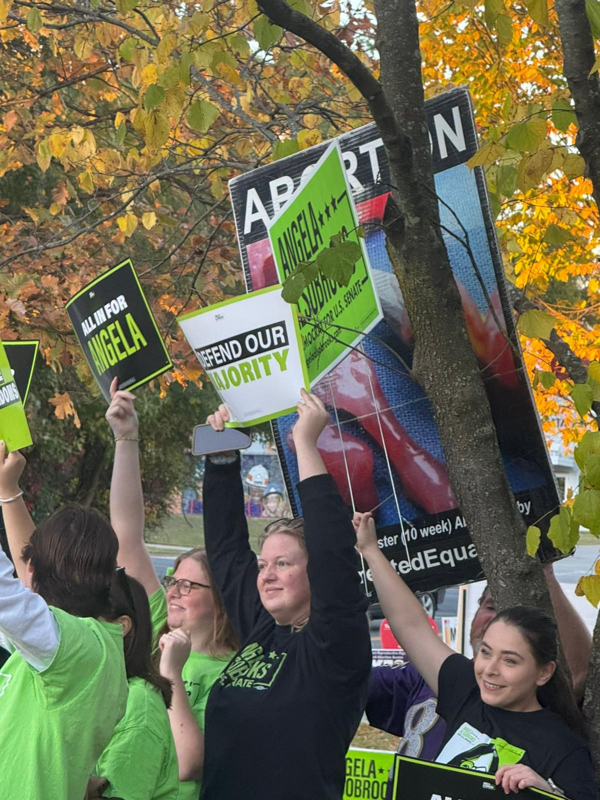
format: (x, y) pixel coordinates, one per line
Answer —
(366, 535)
(121, 414)
(11, 469)
(312, 420)
(175, 648)
(219, 418)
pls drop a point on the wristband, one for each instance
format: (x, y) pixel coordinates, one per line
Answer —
(11, 499)
(126, 439)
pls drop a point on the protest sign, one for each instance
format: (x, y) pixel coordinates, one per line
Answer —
(13, 422)
(383, 448)
(321, 208)
(423, 780)
(257, 370)
(367, 773)
(117, 331)
(22, 357)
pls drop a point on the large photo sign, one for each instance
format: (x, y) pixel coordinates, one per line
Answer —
(322, 208)
(383, 447)
(251, 350)
(117, 330)
(422, 780)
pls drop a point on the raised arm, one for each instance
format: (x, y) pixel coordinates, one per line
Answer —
(126, 498)
(404, 613)
(17, 520)
(574, 636)
(232, 561)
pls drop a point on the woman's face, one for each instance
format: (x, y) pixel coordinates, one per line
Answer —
(282, 580)
(193, 611)
(506, 671)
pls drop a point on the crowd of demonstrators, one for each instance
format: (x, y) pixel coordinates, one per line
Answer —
(400, 701)
(246, 677)
(495, 706)
(64, 687)
(194, 638)
(283, 713)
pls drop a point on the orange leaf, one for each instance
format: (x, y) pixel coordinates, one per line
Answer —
(63, 407)
(60, 195)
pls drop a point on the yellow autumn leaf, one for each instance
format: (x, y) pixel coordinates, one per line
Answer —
(5, 6)
(83, 47)
(309, 138)
(156, 128)
(63, 407)
(58, 142)
(55, 209)
(86, 181)
(311, 120)
(149, 220)
(119, 118)
(149, 75)
(43, 156)
(77, 134)
(594, 371)
(597, 567)
(589, 586)
(127, 224)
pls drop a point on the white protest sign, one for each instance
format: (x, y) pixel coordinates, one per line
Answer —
(250, 348)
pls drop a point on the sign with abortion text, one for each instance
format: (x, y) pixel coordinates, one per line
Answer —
(13, 422)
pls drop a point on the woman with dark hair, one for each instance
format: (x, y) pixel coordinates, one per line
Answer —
(297, 688)
(63, 689)
(195, 640)
(510, 711)
(140, 762)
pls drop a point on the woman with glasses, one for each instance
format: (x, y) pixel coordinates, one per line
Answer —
(283, 713)
(195, 640)
(63, 690)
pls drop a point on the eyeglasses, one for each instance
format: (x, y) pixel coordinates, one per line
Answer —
(184, 586)
(285, 523)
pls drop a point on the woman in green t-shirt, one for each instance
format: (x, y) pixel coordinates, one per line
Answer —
(194, 636)
(140, 762)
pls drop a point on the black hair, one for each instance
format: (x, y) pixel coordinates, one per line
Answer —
(73, 555)
(128, 598)
(541, 634)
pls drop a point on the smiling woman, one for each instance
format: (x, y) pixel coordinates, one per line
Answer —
(293, 696)
(496, 707)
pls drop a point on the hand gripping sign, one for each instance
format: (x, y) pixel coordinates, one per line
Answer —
(117, 331)
(250, 349)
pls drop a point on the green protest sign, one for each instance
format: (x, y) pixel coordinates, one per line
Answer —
(320, 210)
(22, 357)
(367, 773)
(13, 422)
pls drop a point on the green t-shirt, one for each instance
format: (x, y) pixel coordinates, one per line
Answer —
(55, 724)
(199, 673)
(140, 762)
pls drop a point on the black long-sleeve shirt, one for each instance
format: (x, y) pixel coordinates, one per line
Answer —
(283, 714)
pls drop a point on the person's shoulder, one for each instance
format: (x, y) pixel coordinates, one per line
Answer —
(86, 629)
(559, 735)
(146, 708)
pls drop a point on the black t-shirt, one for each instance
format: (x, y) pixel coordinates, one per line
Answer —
(482, 737)
(283, 713)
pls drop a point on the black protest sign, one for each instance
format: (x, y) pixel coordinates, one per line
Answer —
(422, 780)
(22, 357)
(117, 331)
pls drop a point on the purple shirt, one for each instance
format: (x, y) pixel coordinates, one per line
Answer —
(401, 703)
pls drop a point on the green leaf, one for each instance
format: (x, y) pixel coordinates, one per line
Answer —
(492, 9)
(504, 28)
(127, 49)
(506, 180)
(583, 397)
(563, 531)
(309, 269)
(533, 540)
(303, 6)
(495, 204)
(592, 9)
(556, 235)
(285, 147)
(586, 509)
(589, 445)
(536, 324)
(487, 154)
(573, 166)
(34, 20)
(337, 263)
(539, 11)
(293, 286)
(154, 96)
(527, 136)
(186, 61)
(265, 33)
(589, 585)
(592, 471)
(169, 79)
(563, 114)
(125, 6)
(594, 371)
(547, 379)
(201, 115)
(360, 232)
(157, 129)
(121, 133)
